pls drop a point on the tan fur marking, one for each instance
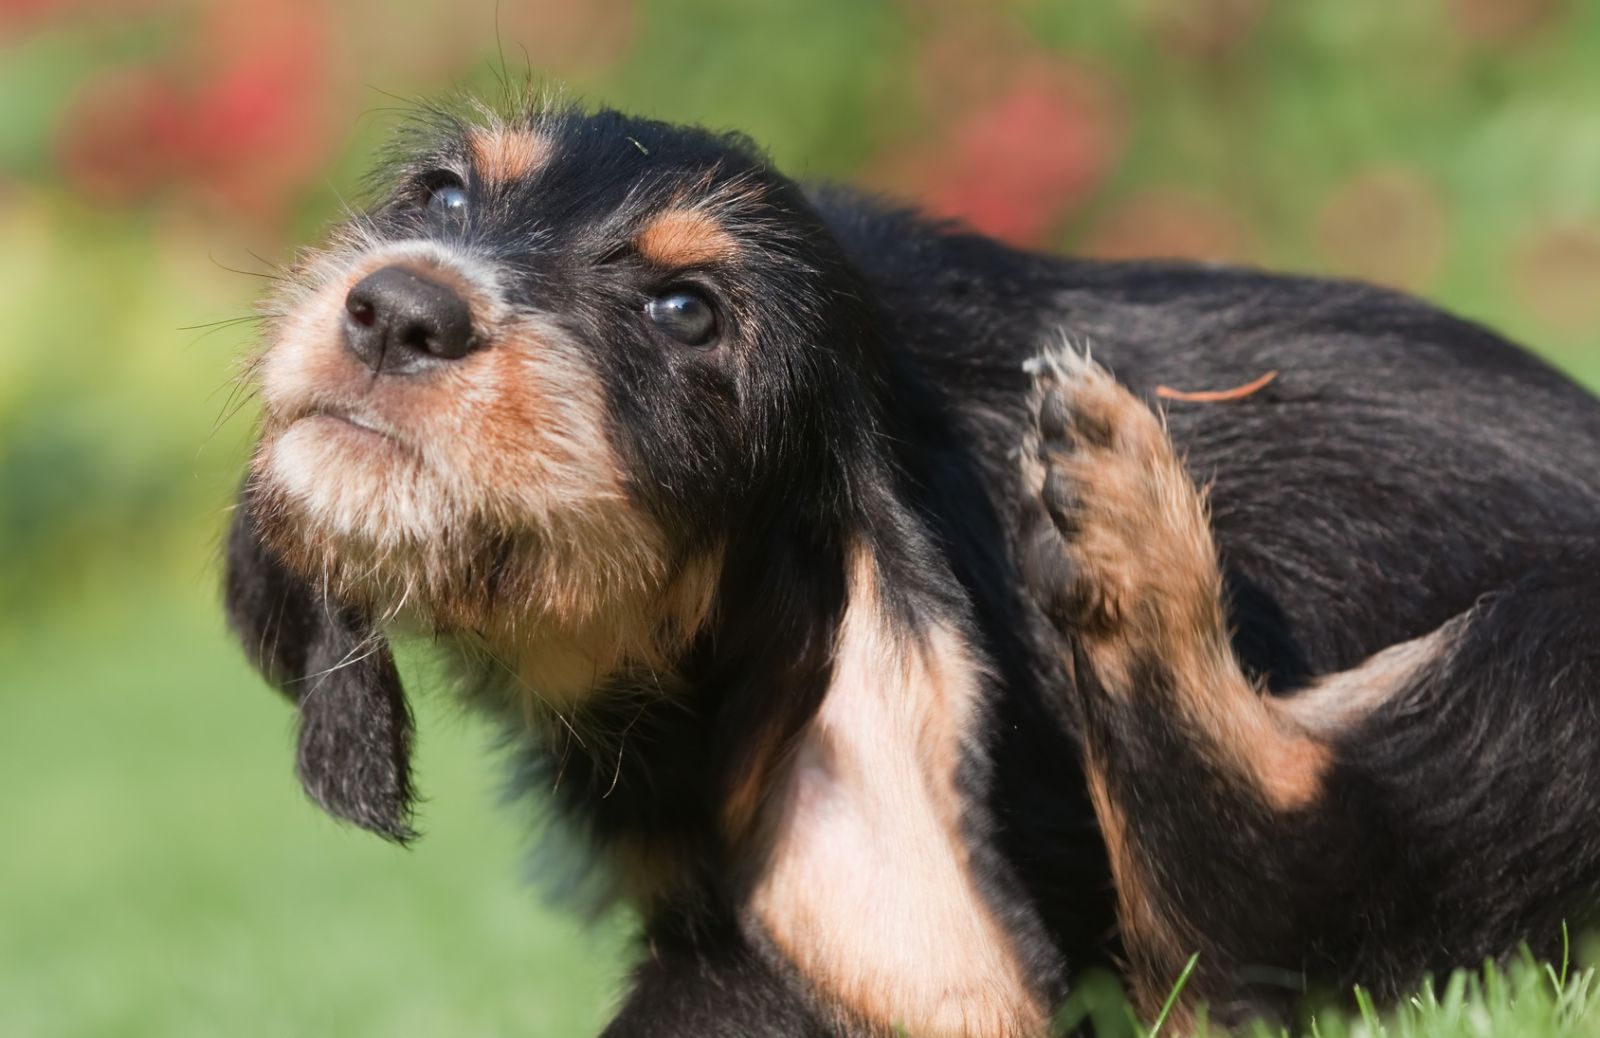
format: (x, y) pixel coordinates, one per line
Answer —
(1335, 703)
(1150, 586)
(1154, 946)
(689, 599)
(741, 808)
(505, 154)
(686, 238)
(866, 884)
(558, 663)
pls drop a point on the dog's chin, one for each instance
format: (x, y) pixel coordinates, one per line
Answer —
(356, 512)
(352, 481)
(555, 575)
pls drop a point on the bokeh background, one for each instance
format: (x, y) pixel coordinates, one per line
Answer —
(159, 871)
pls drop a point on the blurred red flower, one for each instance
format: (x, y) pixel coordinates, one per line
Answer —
(235, 113)
(123, 134)
(1017, 164)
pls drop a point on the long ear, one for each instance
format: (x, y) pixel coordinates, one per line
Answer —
(354, 756)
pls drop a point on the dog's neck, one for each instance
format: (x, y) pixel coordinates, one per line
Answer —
(841, 787)
(549, 665)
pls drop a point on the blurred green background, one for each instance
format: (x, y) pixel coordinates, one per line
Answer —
(159, 872)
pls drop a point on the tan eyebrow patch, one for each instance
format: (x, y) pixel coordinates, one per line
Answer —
(685, 238)
(508, 154)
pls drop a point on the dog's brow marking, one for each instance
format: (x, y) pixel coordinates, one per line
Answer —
(686, 238)
(504, 154)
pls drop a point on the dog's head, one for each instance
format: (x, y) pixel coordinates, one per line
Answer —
(525, 400)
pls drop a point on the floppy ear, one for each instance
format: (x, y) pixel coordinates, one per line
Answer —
(354, 756)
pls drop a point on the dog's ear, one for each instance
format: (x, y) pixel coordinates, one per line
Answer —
(354, 756)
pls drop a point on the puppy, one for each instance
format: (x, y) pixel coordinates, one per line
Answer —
(881, 646)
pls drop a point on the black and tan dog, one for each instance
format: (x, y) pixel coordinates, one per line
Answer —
(879, 643)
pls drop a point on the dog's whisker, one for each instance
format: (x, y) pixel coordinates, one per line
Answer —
(268, 276)
(318, 680)
(218, 325)
(622, 741)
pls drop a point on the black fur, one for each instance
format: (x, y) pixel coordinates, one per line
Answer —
(354, 756)
(1404, 465)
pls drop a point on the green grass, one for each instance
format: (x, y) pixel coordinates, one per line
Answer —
(161, 874)
(1522, 999)
(1525, 999)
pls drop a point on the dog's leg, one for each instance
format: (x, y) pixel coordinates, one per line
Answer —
(699, 977)
(1119, 554)
(1387, 821)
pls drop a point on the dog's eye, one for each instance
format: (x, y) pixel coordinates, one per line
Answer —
(684, 314)
(447, 195)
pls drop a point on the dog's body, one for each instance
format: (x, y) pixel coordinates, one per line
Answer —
(885, 665)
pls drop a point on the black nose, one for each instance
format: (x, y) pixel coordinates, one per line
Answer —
(399, 322)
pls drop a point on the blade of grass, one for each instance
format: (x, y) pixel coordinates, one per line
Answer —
(1369, 1013)
(1172, 996)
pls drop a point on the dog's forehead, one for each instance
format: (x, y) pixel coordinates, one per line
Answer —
(562, 191)
(586, 167)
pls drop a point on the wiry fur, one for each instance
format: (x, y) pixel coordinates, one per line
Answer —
(891, 680)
